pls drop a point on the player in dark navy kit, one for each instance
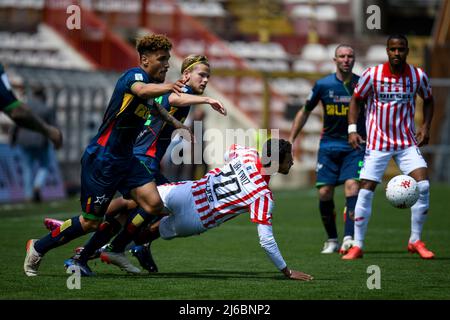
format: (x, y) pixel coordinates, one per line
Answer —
(338, 163)
(22, 115)
(108, 163)
(150, 148)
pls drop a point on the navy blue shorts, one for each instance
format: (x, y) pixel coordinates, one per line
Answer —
(102, 176)
(337, 162)
(153, 165)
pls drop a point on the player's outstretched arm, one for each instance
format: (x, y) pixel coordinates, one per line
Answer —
(24, 117)
(153, 90)
(184, 100)
(268, 243)
(166, 116)
(299, 122)
(354, 139)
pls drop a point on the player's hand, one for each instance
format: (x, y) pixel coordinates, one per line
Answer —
(178, 86)
(296, 275)
(216, 105)
(422, 136)
(355, 140)
(55, 136)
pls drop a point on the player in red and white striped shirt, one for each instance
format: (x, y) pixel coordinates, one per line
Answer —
(238, 187)
(389, 91)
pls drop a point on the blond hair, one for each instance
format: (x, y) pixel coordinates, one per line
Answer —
(190, 61)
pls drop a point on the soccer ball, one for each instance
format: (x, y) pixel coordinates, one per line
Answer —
(402, 191)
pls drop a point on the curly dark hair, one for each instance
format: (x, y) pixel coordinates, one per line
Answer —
(153, 43)
(284, 147)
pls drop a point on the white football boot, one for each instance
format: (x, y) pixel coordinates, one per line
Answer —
(347, 243)
(330, 246)
(32, 259)
(120, 260)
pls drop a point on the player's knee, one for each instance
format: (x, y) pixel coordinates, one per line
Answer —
(325, 193)
(153, 207)
(351, 188)
(368, 185)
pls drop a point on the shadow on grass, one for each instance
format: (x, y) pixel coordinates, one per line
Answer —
(203, 274)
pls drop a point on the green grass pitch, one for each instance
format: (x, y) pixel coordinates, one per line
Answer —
(227, 262)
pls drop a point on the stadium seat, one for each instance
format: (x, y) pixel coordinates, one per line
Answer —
(189, 46)
(327, 67)
(160, 7)
(208, 9)
(302, 11)
(314, 52)
(326, 13)
(251, 85)
(304, 66)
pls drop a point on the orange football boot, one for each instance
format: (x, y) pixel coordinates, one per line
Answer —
(421, 249)
(354, 253)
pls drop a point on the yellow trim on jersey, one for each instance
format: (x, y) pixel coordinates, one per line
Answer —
(137, 221)
(136, 83)
(127, 98)
(65, 225)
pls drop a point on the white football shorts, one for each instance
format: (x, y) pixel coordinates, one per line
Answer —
(183, 220)
(375, 162)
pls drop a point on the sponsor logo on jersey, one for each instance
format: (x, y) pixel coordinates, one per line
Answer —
(395, 96)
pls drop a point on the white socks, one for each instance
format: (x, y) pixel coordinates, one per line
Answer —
(363, 211)
(419, 210)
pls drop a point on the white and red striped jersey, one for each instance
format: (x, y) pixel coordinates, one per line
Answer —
(238, 187)
(391, 105)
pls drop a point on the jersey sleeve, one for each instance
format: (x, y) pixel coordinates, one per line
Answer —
(268, 243)
(164, 101)
(313, 98)
(364, 86)
(133, 77)
(231, 153)
(261, 209)
(8, 100)
(425, 87)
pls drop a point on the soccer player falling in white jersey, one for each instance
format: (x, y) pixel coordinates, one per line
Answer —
(240, 186)
(389, 91)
